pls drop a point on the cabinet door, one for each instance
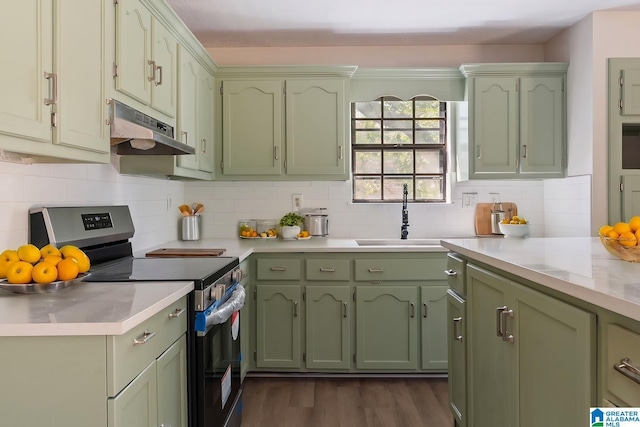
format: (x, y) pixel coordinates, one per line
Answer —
(630, 195)
(80, 66)
(252, 125)
(205, 120)
(328, 326)
(136, 404)
(554, 345)
(165, 57)
(278, 326)
(315, 127)
(457, 346)
(171, 374)
(188, 108)
(542, 123)
(495, 125)
(246, 328)
(490, 401)
(386, 327)
(630, 91)
(433, 330)
(133, 50)
(26, 27)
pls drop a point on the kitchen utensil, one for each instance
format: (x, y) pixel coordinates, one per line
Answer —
(184, 210)
(497, 215)
(191, 227)
(198, 209)
(317, 224)
(185, 252)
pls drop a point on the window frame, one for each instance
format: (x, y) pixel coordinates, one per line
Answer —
(442, 147)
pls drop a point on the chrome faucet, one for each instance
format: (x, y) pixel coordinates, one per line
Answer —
(405, 214)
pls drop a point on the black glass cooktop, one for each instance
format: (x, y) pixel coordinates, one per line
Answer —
(202, 270)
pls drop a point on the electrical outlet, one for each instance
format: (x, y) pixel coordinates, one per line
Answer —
(296, 202)
(469, 200)
(495, 197)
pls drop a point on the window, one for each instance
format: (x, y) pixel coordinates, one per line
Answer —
(396, 142)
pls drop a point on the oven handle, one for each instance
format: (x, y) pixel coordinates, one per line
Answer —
(216, 315)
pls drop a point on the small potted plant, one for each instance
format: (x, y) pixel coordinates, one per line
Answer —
(290, 225)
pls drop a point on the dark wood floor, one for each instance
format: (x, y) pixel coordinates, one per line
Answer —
(348, 402)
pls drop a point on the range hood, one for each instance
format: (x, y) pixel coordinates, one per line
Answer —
(135, 133)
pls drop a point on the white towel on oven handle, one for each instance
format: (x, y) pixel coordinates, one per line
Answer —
(233, 304)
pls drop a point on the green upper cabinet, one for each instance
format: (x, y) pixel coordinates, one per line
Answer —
(187, 132)
(146, 58)
(630, 90)
(517, 120)
(252, 127)
(205, 120)
(57, 63)
(284, 123)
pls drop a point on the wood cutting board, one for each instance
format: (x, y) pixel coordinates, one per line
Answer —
(483, 216)
(179, 252)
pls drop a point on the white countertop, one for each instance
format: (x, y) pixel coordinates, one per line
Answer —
(576, 266)
(87, 308)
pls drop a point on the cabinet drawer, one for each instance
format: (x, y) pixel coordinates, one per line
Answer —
(428, 268)
(622, 344)
(455, 274)
(278, 269)
(328, 269)
(126, 358)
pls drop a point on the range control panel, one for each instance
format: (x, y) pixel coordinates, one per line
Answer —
(97, 221)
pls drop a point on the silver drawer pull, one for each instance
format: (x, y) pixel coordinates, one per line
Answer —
(413, 309)
(376, 270)
(327, 269)
(177, 313)
(278, 269)
(295, 309)
(628, 370)
(504, 314)
(456, 335)
(451, 273)
(344, 305)
(142, 339)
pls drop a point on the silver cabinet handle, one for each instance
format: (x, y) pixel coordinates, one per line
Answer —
(479, 153)
(142, 339)
(451, 273)
(340, 152)
(327, 269)
(344, 306)
(424, 310)
(524, 151)
(204, 145)
(152, 68)
(506, 336)
(159, 82)
(499, 311)
(628, 370)
(278, 269)
(376, 270)
(177, 313)
(186, 137)
(276, 154)
(413, 309)
(456, 335)
(295, 309)
(53, 84)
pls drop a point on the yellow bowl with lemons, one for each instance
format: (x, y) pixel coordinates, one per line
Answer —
(622, 239)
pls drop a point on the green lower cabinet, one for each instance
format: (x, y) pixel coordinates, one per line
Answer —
(246, 317)
(386, 327)
(433, 332)
(531, 356)
(278, 326)
(328, 327)
(456, 327)
(136, 404)
(171, 373)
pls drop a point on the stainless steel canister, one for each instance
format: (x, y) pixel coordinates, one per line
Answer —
(497, 215)
(317, 224)
(191, 227)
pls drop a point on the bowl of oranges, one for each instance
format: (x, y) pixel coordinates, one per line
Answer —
(622, 239)
(514, 227)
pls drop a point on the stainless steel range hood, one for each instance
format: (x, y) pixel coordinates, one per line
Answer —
(135, 133)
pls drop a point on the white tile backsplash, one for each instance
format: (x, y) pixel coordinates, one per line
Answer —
(554, 207)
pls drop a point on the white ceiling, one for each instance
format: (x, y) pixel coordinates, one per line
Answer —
(259, 23)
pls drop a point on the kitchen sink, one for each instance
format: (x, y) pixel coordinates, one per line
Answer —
(398, 242)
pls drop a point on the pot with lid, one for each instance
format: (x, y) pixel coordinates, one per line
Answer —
(316, 221)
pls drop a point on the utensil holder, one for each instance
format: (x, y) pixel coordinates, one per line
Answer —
(191, 227)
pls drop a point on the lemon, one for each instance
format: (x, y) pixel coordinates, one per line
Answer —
(604, 230)
(621, 227)
(627, 239)
(29, 253)
(634, 223)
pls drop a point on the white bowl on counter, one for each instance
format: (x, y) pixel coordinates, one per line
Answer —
(514, 230)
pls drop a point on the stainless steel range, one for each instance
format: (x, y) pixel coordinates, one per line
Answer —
(213, 339)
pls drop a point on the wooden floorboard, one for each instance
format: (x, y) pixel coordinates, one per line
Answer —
(346, 402)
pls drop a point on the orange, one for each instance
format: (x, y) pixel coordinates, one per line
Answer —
(9, 255)
(44, 273)
(83, 262)
(604, 230)
(638, 235)
(19, 272)
(52, 259)
(612, 234)
(67, 269)
(4, 265)
(29, 253)
(634, 223)
(621, 227)
(49, 250)
(628, 239)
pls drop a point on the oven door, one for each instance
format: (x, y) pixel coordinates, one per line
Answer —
(217, 373)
